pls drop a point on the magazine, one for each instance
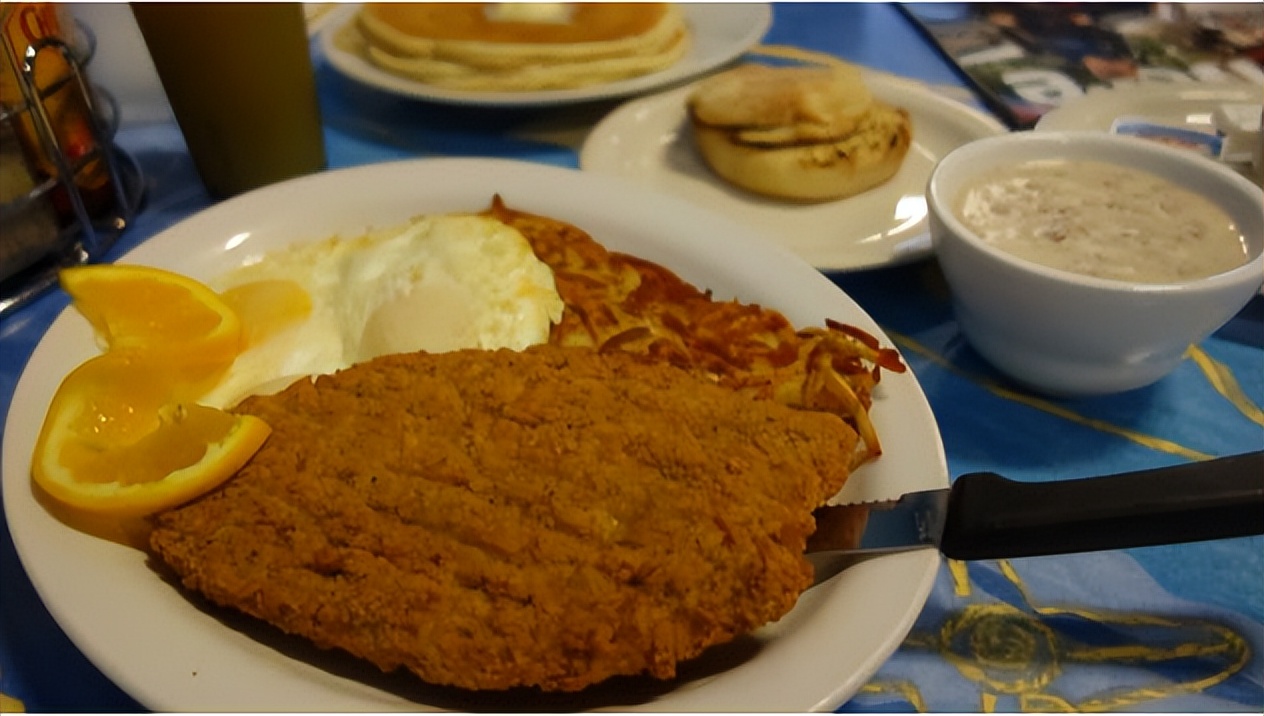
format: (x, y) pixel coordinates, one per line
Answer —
(1025, 59)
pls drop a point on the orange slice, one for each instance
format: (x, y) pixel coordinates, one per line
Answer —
(124, 436)
(114, 442)
(141, 307)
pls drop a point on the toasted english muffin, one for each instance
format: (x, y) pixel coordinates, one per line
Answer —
(817, 99)
(801, 133)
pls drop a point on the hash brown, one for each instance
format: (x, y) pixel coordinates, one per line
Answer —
(615, 301)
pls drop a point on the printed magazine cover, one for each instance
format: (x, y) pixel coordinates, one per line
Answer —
(1025, 59)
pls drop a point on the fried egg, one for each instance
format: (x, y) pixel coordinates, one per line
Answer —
(439, 283)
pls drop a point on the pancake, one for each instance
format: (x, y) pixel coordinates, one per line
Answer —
(492, 47)
(584, 22)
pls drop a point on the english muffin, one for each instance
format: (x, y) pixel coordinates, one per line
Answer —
(800, 133)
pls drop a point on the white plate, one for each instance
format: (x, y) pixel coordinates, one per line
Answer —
(172, 653)
(647, 140)
(1183, 105)
(720, 33)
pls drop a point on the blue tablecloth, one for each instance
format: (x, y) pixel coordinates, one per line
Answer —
(1174, 628)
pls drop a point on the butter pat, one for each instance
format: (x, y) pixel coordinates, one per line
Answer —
(557, 13)
(1240, 125)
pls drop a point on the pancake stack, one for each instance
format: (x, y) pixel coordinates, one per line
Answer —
(520, 47)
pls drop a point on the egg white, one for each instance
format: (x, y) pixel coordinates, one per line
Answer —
(439, 283)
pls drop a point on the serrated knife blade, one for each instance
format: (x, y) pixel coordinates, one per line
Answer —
(987, 516)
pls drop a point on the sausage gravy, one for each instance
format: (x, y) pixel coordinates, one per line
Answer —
(1101, 220)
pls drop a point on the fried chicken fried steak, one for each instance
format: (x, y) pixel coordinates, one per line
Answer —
(496, 519)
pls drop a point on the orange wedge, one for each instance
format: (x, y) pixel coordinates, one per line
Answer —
(141, 307)
(124, 436)
(115, 443)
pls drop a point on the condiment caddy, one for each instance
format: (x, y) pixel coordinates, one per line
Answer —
(66, 191)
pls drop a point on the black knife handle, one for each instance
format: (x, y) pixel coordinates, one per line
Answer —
(992, 517)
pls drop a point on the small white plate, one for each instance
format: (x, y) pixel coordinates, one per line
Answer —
(1182, 105)
(648, 140)
(173, 652)
(720, 33)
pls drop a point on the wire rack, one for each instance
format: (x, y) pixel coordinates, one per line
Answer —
(53, 224)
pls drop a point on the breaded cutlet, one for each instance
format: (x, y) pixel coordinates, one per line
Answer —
(489, 520)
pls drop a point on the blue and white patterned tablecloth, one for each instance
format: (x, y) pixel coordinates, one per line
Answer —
(1173, 628)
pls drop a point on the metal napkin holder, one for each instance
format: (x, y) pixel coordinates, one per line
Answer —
(35, 240)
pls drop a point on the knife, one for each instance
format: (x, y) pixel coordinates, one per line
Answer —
(986, 516)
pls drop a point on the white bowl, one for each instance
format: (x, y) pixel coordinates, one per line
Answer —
(1069, 334)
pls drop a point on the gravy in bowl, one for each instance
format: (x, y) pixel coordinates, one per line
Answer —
(1101, 220)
